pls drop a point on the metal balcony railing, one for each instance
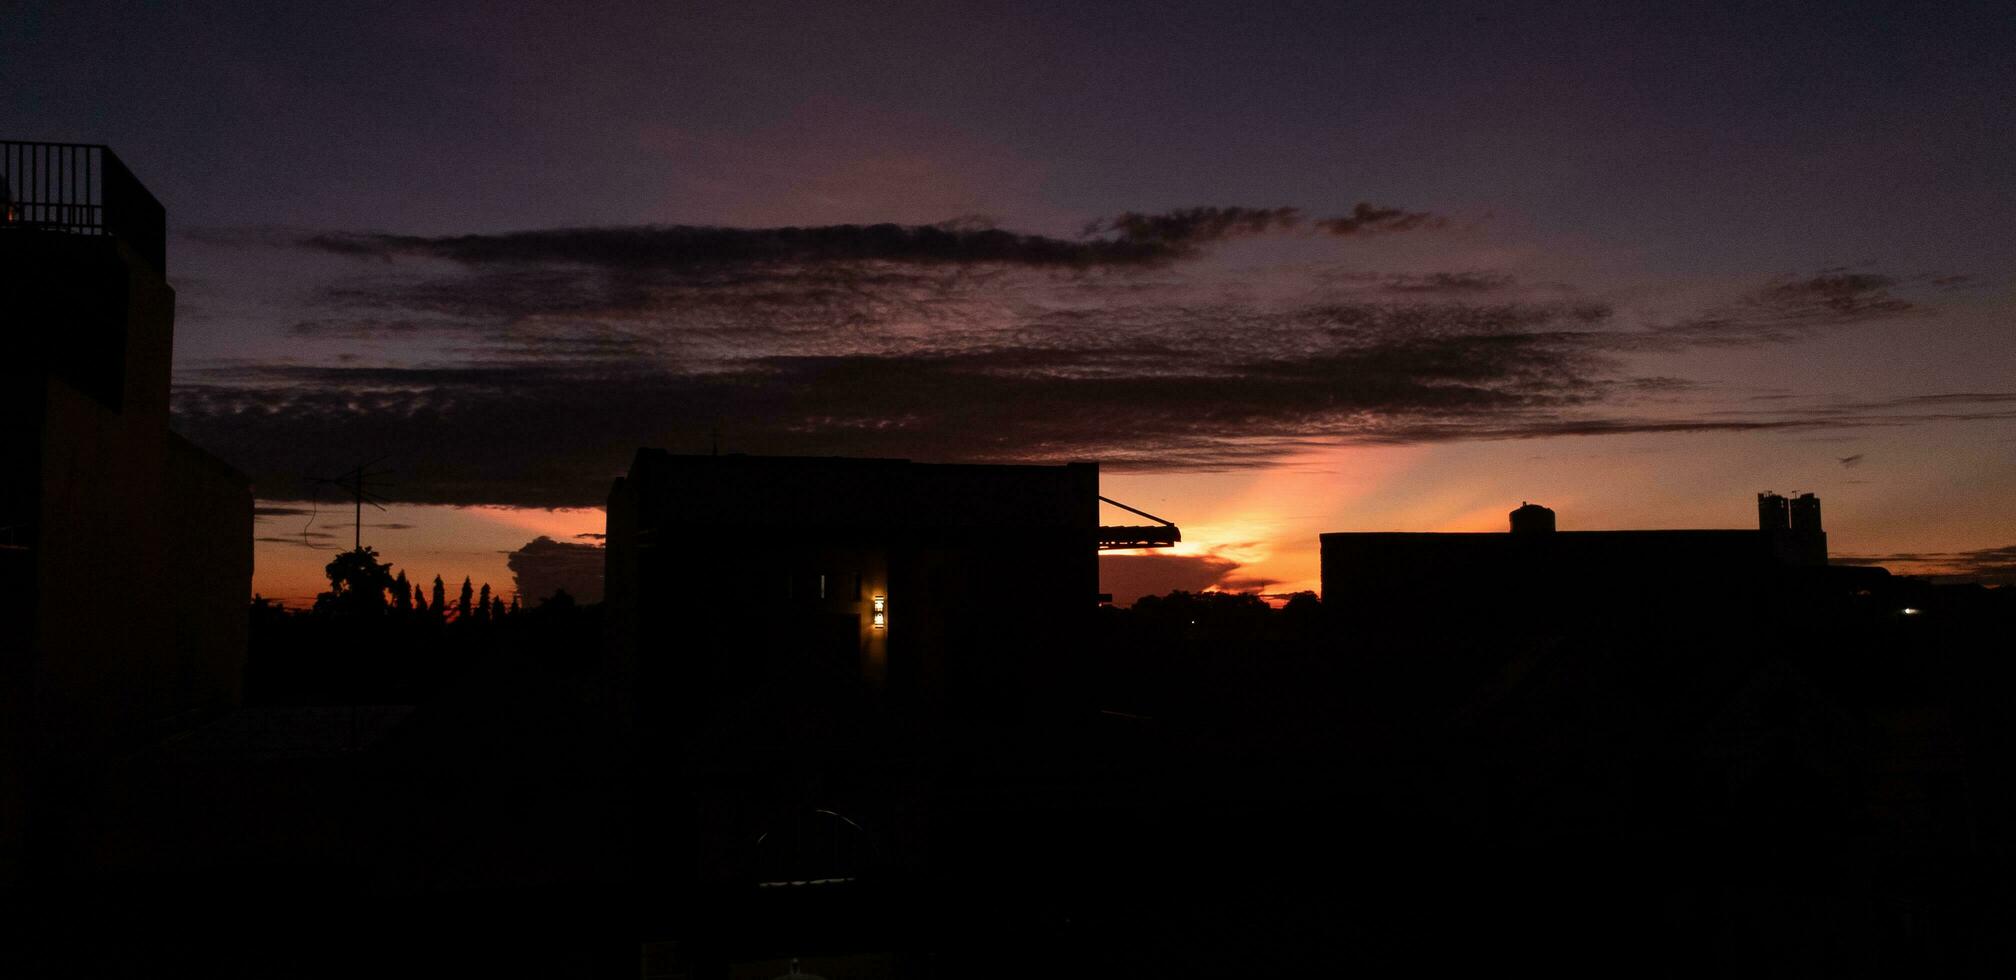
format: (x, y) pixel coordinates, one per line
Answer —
(80, 189)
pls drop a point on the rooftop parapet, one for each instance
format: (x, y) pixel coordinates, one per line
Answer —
(80, 189)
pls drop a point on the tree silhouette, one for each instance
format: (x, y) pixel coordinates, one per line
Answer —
(440, 603)
(462, 601)
(402, 593)
(483, 603)
(358, 582)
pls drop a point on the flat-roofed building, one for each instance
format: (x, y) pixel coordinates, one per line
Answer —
(125, 551)
(1536, 574)
(907, 580)
(809, 636)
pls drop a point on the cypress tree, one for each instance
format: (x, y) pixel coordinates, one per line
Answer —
(462, 601)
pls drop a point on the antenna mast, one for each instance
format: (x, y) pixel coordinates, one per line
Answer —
(358, 481)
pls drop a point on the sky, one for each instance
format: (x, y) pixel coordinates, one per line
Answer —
(1281, 269)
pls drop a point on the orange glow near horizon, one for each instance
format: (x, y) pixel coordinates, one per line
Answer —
(1267, 520)
(423, 541)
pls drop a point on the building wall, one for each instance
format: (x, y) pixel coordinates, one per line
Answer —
(719, 554)
(1493, 580)
(102, 623)
(127, 591)
(209, 545)
(747, 681)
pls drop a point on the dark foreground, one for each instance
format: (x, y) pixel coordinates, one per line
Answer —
(1272, 802)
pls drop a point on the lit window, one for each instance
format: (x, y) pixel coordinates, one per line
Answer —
(880, 607)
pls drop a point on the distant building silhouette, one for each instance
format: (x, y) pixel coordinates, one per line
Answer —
(1532, 519)
(125, 551)
(1773, 512)
(1537, 573)
(871, 569)
(1807, 535)
(766, 607)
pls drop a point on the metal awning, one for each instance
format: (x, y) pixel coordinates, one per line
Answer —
(1121, 537)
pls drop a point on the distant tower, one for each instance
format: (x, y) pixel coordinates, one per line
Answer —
(1809, 542)
(1532, 519)
(1772, 513)
(1806, 514)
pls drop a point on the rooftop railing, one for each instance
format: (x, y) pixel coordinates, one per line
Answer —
(80, 189)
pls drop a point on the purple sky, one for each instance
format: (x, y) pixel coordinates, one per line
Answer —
(1638, 264)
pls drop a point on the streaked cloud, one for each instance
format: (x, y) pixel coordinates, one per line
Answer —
(1369, 218)
(1988, 566)
(554, 354)
(1127, 239)
(1791, 308)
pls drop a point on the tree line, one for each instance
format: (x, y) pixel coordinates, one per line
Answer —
(362, 586)
(377, 636)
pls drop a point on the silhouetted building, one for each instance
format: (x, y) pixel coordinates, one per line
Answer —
(1805, 512)
(869, 570)
(125, 551)
(1773, 512)
(1538, 574)
(773, 614)
(1532, 519)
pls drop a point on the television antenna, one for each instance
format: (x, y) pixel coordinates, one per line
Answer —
(360, 482)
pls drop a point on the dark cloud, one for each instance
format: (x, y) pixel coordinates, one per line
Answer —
(604, 312)
(1187, 228)
(1450, 283)
(1129, 577)
(1369, 218)
(1988, 566)
(1851, 461)
(1182, 231)
(547, 261)
(544, 565)
(631, 291)
(560, 352)
(691, 247)
(273, 510)
(1790, 308)
(317, 540)
(553, 434)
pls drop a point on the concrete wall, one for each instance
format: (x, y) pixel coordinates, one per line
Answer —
(209, 549)
(125, 602)
(102, 626)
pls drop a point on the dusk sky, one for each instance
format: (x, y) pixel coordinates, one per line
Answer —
(1281, 269)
